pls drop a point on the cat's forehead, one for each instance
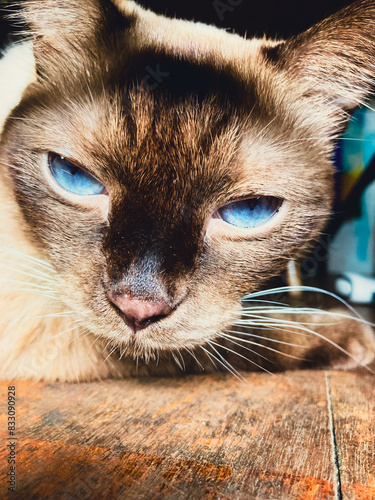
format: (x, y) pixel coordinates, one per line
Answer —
(122, 79)
(134, 44)
(186, 39)
(161, 95)
(138, 138)
(164, 119)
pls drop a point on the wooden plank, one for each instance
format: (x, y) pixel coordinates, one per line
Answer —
(353, 407)
(196, 437)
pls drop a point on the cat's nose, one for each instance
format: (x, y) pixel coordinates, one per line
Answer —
(138, 313)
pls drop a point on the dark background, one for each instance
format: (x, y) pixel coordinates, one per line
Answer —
(272, 18)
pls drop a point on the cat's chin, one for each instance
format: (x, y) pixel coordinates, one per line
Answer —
(153, 341)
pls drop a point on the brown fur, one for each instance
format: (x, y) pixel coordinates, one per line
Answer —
(176, 119)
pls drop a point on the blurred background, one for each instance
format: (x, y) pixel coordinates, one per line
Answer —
(344, 259)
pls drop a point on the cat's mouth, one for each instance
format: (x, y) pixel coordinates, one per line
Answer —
(138, 314)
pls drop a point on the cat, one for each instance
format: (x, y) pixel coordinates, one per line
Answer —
(153, 172)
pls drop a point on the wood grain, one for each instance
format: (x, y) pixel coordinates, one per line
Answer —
(353, 405)
(190, 438)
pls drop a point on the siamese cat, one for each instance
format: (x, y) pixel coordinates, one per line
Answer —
(155, 171)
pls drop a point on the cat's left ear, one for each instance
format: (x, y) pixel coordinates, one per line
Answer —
(334, 61)
(61, 28)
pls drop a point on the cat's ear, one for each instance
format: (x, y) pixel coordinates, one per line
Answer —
(334, 60)
(62, 27)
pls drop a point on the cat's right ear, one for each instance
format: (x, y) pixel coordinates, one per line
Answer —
(333, 63)
(62, 29)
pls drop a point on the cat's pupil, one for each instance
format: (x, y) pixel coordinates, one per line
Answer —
(250, 213)
(70, 169)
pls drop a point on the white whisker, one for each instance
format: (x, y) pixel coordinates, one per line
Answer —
(109, 355)
(244, 357)
(229, 337)
(66, 331)
(192, 354)
(40, 275)
(210, 358)
(287, 289)
(281, 304)
(27, 283)
(53, 315)
(224, 362)
(123, 351)
(300, 327)
(34, 291)
(266, 338)
(39, 262)
(177, 361)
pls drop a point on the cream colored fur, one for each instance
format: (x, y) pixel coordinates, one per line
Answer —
(16, 72)
(34, 338)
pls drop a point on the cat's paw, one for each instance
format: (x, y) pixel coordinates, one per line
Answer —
(322, 340)
(349, 345)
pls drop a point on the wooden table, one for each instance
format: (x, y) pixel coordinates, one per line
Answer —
(298, 435)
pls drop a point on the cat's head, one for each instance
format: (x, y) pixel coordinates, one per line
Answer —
(166, 168)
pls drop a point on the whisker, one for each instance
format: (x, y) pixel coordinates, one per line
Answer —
(266, 302)
(266, 338)
(36, 292)
(254, 319)
(298, 326)
(192, 354)
(53, 315)
(227, 364)
(41, 263)
(301, 310)
(265, 128)
(308, 289)
(66, 331)
(177, 361)
(244, 357)
(305, 139)
(38, 274)
(123, 351)
(210, 358)
(224, 362)
(182, 359)
(370, 108)
(228, 338)
(85, 332)
(109, 355)
(27, 283)
(273, 323)
(261, 345)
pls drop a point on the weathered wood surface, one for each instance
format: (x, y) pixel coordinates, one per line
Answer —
(197, 437)
(353, 405)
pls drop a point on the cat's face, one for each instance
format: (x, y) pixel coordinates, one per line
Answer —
(167, 137)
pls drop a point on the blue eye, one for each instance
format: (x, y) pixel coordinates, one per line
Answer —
(72, 178)
(250, 213)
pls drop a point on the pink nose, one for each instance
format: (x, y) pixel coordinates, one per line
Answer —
(138, 314)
